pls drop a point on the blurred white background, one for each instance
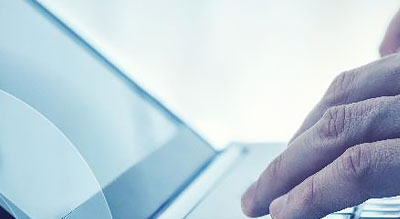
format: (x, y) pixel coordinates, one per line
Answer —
(233, 69)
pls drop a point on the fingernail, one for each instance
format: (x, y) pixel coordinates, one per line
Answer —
(277, 206)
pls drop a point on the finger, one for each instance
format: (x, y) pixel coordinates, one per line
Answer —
(380, 78)
(391, 40)
(340, 128)
(362, 172)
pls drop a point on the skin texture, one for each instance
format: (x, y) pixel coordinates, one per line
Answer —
(347, 149)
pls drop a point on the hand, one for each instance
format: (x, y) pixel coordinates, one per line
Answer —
(346, 151)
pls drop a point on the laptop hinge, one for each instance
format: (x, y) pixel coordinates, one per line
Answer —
(200, 187)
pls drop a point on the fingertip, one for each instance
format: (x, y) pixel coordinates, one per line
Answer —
(252, 207)
(247, 201)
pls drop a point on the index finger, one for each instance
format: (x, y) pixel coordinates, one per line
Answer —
(379, 78)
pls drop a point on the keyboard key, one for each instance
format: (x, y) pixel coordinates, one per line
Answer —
(343, 214)
(384, 201)
(379, 214)
(338, 216)
(346, 211)
(381, 207)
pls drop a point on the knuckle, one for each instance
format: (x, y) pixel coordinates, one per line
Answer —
(354, 164)
(332, 123)
(340, 89)
(339, 122)
(275, 166)
(307, 197)
(310, 196)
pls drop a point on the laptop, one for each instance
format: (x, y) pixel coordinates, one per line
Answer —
(80, 139)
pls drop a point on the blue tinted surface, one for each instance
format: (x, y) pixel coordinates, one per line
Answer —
(112, 123)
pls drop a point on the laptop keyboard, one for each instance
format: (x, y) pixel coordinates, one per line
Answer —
(371, 209)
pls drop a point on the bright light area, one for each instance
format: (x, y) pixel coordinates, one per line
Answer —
(235, 70)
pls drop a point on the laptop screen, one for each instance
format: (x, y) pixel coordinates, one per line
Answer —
(140, 153)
